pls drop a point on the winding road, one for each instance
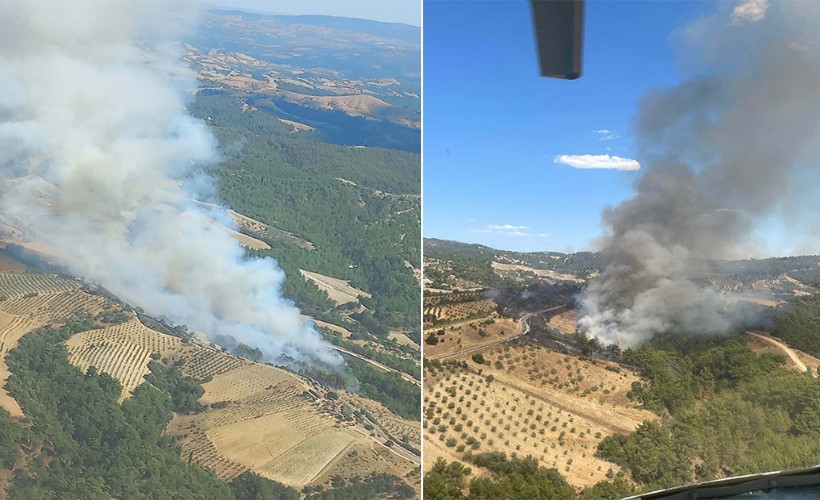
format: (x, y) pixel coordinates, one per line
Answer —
(523, 329)
(786, 349)
(376, 364)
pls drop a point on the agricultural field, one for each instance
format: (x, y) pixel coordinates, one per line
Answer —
(454, 307)
(399, 428)
(30, 301)
(122, 351)
(256, 417)
(453, 338)
(12, 328)
(462, 310)
(528, 400)
(15, 285)
(264, 419)
(516, 271)
(358, 459)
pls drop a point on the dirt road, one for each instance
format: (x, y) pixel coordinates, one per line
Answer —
(783, 347)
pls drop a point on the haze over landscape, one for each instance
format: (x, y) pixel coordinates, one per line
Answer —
(107, 171)
(209, 253)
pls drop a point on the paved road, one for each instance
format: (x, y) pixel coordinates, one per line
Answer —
(523, 329)
(376, 364)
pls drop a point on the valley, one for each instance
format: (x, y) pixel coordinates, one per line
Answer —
(517, 377)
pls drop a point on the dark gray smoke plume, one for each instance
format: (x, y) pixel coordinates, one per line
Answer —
(98, 164)
(725, 150)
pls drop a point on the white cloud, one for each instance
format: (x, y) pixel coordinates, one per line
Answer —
(750, 10)
(606, 134)
(598, 161)
(522, 234)
(510, 230)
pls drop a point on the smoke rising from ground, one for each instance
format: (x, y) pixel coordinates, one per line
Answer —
(731, 146)
(99, 160)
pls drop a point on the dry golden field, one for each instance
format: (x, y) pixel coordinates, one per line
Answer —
(453, 338)
(122, 351)
(564, 322)
(512, 269)
(529, 400)
(257, 417)
(339, 291)
(30, 301)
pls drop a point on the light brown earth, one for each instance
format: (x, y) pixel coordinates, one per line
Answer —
(264, 418)
(461, 310)
(525, 409)
(122, 351)
(795, 359)
(339, 291)
(505, 269)
(344, 332)
(12, 328)
(270, 425)
(566, 322)
(261, 229)
(403, 339)
(9, 265)
(243, 239)
(31, 301)
(297, 127)
(466, 334)
(358, 459)
(397, 426)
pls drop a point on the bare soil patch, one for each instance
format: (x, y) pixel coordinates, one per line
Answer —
(566, 322)
(508, 269)
(469, 334)
(339, 291)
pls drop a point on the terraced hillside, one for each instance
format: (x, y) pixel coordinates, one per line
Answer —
(268, 420)
(122, 351)
(257, 417)
(30, 301)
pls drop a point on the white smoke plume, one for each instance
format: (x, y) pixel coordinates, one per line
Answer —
(737, 142)
(99, 162)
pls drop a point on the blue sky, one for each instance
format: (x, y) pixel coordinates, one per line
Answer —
(493, 127)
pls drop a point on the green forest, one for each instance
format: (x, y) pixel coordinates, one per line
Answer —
(359, 207)
(725, 411)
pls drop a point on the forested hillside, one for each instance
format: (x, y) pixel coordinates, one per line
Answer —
(359, 207)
